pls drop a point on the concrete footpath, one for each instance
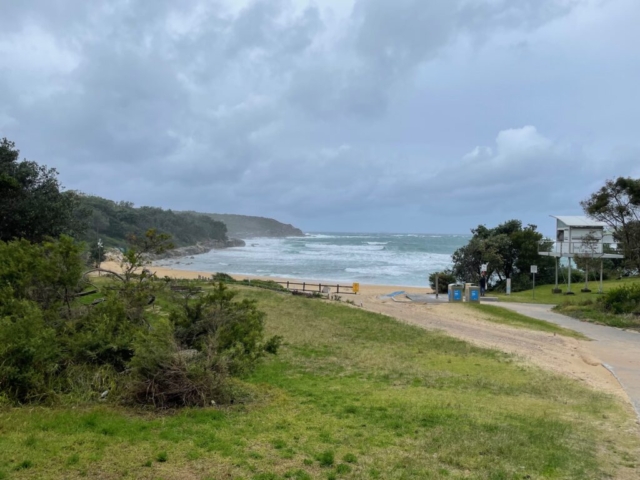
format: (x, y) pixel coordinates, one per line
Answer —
(617, 349)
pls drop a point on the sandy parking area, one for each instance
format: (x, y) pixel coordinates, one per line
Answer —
(563, 355)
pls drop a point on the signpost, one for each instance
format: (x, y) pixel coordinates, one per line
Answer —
(100, 245)
(534, 270)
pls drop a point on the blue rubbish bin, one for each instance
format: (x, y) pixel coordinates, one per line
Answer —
(455, 292)
(473, 294)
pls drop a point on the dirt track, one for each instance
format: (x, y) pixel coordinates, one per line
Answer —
(567, 356)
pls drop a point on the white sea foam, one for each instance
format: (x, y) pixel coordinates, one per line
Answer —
(378, 259)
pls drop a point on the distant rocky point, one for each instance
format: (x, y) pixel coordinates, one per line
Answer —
(243, 226)
(198, 249)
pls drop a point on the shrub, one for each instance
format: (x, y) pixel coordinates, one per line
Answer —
(624, 299)
(102, 336)
(48, 274)
(166, 377)
(30, 357)
(235, 329)
(223, 277)
(444, 279)
(51, 343)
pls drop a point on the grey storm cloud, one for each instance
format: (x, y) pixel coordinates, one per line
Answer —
(361, 115)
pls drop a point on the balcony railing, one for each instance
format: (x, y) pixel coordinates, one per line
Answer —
(579, 248)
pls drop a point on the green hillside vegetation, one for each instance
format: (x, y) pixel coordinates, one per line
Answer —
(243, 226)
(351, 394)
(114, 221)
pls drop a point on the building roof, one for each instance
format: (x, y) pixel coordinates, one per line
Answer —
(579, 221)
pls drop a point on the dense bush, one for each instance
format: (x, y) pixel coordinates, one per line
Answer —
(444, 279)
(167, 376)
(187, 361)
(52, 344)
(47, 338)
(30, 357)
(624, 299)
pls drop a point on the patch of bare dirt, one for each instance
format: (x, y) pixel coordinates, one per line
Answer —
(559, 354)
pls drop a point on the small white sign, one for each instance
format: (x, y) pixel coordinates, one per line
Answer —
(534, 269)
(483, 268)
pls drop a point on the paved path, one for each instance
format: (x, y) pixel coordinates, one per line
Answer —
(619, 350)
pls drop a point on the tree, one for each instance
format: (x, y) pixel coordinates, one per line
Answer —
(137, 255)
(617, 204)
(587, 259)
(32, 205)
(509, 250)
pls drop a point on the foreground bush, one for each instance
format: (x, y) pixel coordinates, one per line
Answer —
(188, 360)
(165, 376)
(624, 299)
(52, 344)
(30, 357)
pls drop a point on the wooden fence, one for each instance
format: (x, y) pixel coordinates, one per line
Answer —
(323, 288)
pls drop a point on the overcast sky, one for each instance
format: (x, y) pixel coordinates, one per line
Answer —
(334, 115)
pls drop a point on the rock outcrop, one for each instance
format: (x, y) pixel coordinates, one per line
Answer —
(115, 255)
(198, 249)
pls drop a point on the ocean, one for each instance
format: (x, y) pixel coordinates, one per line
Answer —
(376, 259)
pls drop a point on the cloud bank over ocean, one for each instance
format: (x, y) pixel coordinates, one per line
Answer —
(333, 115)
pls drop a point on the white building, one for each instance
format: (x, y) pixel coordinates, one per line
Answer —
(583, 237)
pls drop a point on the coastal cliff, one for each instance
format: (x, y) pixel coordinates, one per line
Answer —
(243, 226)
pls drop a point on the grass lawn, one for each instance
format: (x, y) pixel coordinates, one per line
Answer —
(351, 395)
(581, 305)
(514, 319)
(543, 293)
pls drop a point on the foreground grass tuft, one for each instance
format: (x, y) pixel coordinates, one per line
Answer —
(351, 394)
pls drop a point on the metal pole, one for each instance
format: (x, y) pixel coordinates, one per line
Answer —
(437, 289)
(601, 290)
(569, 285)
(534, 286)
(557, 261)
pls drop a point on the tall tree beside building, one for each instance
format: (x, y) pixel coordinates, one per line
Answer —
(617, 204)
(509, 249)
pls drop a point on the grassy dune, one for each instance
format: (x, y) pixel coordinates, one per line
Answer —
(351, 395)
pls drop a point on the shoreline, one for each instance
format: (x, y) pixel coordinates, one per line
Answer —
(365, 289)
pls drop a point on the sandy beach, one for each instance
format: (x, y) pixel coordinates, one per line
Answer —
(365, 290)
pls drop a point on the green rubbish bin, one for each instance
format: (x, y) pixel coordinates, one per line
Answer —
(472, 294)
(455, 292)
